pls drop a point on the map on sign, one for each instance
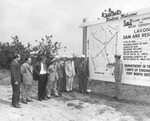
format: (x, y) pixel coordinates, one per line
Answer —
(103, 46)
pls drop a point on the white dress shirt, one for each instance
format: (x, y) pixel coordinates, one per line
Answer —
(42, 71)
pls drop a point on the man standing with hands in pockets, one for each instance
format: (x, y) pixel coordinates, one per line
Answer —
(27, 80)
(118, 70)
(15, 80)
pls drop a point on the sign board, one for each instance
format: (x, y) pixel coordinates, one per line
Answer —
(128, 36)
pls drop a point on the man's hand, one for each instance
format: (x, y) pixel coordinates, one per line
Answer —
(88, 78)
(110, 65)
(16, 83)
(107, 64)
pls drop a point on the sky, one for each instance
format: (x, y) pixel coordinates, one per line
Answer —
(33, 19)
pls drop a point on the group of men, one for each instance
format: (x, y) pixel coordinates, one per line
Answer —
(53, 79)
(21, 80)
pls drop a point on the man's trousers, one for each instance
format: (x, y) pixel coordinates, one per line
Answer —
(15, 94)
(118, 88)
(69, 83)
(42, 86)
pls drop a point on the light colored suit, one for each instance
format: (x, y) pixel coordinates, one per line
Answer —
(53, 75)
(118, 70)
(60, 75)
(73, 68)
(69, 69)
(69, 75)
(52, 80)
(27, 80)
(27, 73)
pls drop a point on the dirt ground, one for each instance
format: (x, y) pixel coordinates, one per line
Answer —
(99, 105)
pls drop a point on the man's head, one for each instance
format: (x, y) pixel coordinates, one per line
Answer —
(53, 60)
(17, 57)
(63, 57)
(117, 57)
(70, 58)
(43, 59)
(28, 60)
(57, 58)
(82, 57)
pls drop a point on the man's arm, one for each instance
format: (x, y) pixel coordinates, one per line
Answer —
(22, 69)
(14, 74)
(36, 68)
(111, 64)
(66, 69)
(120, 70)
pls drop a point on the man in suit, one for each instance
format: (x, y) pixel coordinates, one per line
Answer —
(118, 70)
(69, 74)
(40, 71)
(64, 74)
(52, 79)
(27, 80)
(60, 75)
(73, 72)
(83, 74)
(15, 80)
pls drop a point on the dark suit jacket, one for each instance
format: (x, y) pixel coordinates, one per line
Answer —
(36, 71)
(15, 72)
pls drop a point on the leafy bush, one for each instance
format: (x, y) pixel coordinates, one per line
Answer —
(45, 47)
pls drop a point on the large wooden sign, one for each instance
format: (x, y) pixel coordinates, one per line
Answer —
(129, 36)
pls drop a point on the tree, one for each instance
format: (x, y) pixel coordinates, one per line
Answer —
(46, 47)
(18, 47)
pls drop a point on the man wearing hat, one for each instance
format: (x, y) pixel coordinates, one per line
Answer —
(52, 79)
(60, 75)
(83, 73)
(69, 74)
(118, 70)
(63, 73)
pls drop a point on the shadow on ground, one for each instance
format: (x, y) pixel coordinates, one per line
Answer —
(5, 102)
